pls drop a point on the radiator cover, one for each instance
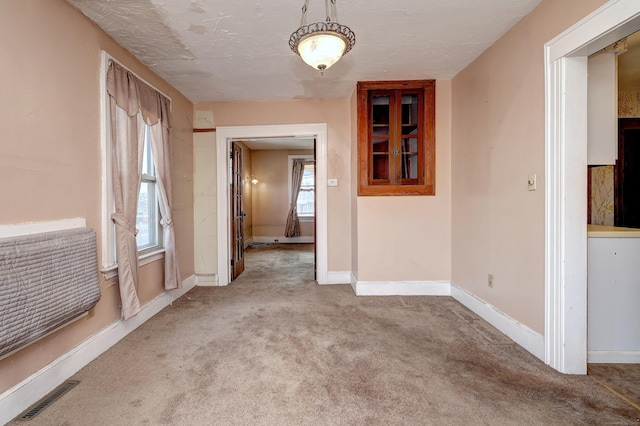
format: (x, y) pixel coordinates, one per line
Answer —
(46, 280)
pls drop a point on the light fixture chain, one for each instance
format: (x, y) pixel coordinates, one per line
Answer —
(303, 18)
(334, 11)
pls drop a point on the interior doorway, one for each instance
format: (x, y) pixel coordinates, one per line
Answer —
(224, 138)
(566, 179)
(272, 196)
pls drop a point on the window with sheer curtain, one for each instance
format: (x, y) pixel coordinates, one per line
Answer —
(149, 236)
(306, 196)
(137, 184)
(305, 206)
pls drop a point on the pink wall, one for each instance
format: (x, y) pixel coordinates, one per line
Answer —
(409, 238)
(50, 160)
(497, 142)
(334, 112)
(271, 195)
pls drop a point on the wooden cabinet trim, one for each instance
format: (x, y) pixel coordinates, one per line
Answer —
(426, 158)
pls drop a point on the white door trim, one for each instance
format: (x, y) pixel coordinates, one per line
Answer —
(223, 137)
(566, 178)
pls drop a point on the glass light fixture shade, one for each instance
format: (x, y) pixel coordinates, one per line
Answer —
(322, 44)
(321, 50)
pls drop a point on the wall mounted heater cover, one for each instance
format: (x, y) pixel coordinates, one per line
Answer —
(46, 280)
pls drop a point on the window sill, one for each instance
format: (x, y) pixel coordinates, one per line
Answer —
(110, 272)
(306, 218)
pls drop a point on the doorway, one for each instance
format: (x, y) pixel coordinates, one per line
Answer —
(566, 179)
(272, 174)
(224, 137)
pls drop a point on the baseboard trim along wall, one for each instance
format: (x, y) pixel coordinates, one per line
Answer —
(613, 357)
(17, 399)
(402, 288)
(284, 240)
(338, 277)
(516, 331)
(207, 280)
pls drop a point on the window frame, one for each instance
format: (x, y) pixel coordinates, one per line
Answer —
(109, 264)
(424, 184)
(308, 158)
(151, 179)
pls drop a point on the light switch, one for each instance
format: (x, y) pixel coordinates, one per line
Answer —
(531, 182)
(332, 182)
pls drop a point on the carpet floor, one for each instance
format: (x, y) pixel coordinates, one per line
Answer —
(274, 348)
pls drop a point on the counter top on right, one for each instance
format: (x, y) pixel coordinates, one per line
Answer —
(601, 231)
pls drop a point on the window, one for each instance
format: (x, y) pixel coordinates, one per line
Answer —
(307, 195)
(149, 237)
(396, 138)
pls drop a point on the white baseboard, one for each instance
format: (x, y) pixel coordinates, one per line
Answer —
(284, 240)
(519, 333)
(401, 288)
(207, 280)
(248, 241)
(338, 277)
(613, 357)
(15, 400)
(516, 331)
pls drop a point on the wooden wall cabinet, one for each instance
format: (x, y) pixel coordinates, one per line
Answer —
(396, 137)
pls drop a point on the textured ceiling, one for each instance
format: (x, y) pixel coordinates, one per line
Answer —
(217, 50)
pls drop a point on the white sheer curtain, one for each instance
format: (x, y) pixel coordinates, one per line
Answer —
(134, 105)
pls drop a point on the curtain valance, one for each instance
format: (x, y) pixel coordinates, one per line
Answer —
(134, 95)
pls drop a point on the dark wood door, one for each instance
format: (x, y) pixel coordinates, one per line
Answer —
(315, 214)
(237, 213)
(627, 205)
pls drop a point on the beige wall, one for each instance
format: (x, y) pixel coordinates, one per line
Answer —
(409, 238)
(497, 141)
(205, 189)
(334, 112)
(271, 194)
(353, 107)
(50, 164)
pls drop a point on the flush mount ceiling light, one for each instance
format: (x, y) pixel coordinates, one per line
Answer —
(322, 44)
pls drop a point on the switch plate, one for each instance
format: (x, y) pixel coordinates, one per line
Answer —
(531, 182)
(332, 182)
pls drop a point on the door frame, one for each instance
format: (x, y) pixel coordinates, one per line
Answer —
(566, 178)
(224, 136)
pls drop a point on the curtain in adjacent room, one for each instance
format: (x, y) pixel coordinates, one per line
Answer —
(134, 105)
(292, 228)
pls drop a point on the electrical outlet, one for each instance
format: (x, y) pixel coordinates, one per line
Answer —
(276, 240)
(490, 282)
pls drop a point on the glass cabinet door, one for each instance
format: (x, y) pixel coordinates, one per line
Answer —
(380, 138)
(409, 149)
(396, 137)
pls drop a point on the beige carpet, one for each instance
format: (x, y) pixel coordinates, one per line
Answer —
(274, 348)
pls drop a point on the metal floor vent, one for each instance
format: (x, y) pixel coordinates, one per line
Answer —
(39, 406)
